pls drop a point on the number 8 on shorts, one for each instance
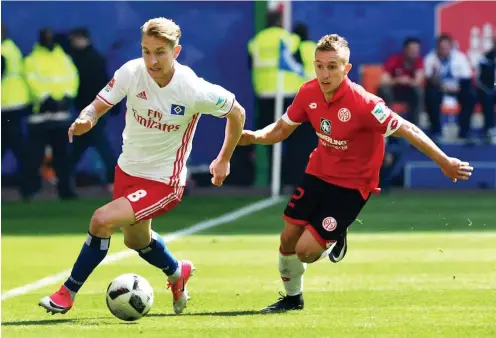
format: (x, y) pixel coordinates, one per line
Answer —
(137, 195)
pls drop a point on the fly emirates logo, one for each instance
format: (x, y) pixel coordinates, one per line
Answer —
(328, 141)
(153, 120)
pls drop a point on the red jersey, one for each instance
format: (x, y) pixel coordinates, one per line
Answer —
(351, 130)
(396, 66)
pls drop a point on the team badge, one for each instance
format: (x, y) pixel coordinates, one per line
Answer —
(329, 223)
(177, 110)
(325, 126)
(381, 112)
(110, 85)
(344, 115)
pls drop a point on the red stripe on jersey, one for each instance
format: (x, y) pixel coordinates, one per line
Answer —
(184, 141)
(182, 161)
(232, 105)
(178, 153)
(104, 101)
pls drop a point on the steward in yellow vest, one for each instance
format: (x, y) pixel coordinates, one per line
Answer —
(53, 81)
(15, 106)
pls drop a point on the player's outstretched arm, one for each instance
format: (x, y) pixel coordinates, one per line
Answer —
(273, 133)
(234, 127)
(452, 167)
(87, 118)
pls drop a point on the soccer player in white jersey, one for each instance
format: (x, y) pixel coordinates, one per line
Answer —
(164, 102)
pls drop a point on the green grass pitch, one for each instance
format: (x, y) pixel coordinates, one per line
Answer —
(418, 265)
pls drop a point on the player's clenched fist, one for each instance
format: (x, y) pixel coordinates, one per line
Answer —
(247, 138)
(456, 169)
(220, 170)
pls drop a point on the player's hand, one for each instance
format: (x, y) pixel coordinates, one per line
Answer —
(247, 138)
(220, 169)
(79, 127)
(456, 169)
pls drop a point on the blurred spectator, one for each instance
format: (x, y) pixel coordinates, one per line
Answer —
(92, 78)
(448, 74)
(263, 51)
(53, 81)
(486, 80)
(403, 78)
(15, 106)
(305, 54)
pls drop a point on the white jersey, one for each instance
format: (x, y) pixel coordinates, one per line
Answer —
(161, 122)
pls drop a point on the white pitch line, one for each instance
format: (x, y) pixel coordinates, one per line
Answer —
(207, 224)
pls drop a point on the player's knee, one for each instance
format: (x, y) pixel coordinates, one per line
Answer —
(307, 256)
(99, 224)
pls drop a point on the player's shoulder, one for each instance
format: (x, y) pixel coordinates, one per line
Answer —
(185, 74)
(309, 88)
(360, 97)
(133, 66)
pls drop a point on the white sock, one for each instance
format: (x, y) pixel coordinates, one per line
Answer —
(292, 269)
(175, 276)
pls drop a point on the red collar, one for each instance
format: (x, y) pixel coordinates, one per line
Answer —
(343, 87)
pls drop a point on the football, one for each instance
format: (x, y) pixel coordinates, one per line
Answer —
(129, 297)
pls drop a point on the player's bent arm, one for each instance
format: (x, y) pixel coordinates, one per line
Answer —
(422, 142)
(274, 133)
(234, 127)
(94, 111)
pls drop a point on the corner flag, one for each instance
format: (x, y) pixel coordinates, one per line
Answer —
(287, 61)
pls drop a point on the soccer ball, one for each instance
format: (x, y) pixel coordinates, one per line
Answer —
(129, 297)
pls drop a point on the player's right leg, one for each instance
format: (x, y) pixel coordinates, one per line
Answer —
(104, 222)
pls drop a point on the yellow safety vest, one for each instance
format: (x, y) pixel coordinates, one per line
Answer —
(15, 92)
(264, 51)
(307, 52)
(50, 73)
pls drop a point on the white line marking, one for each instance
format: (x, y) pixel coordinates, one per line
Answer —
(210, 223)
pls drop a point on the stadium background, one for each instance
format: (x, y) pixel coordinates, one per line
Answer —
(420, 264)
(215, 52)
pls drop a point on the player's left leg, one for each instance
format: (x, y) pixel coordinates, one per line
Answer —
(151, 247)
(297, 214)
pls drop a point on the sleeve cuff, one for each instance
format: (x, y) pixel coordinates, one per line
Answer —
(286, 119)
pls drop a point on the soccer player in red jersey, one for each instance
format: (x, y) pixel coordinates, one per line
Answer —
(343, 170)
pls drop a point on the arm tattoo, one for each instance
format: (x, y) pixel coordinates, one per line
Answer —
(89, 114)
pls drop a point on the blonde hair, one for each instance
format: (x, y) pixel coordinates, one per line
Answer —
(334, 43)
(162, 28)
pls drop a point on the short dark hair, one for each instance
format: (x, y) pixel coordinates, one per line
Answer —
(409, 40)
(444, 37)
(80, 32)
(274, 18)
(302, 31)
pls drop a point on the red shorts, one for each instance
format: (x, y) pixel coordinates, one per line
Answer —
(148, 198)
